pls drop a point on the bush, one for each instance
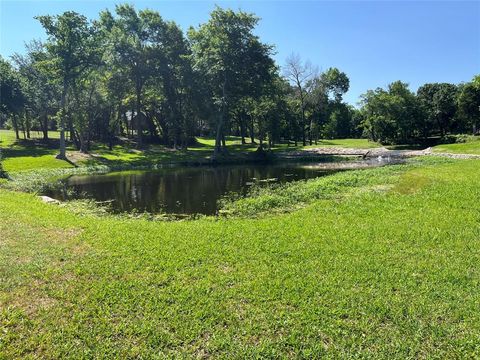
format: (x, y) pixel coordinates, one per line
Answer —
(3, 174)
(448, 139)
(456, 139)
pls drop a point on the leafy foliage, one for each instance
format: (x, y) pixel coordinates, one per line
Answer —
(130, 74)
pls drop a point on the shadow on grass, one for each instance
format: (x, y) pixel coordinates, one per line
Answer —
(406, 147)
(326, 142)
(148, 158)
(31, 147)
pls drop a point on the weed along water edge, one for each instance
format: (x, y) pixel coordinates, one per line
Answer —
(191, 190)
(243, 180)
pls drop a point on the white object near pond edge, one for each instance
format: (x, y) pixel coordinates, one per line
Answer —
(49, 200)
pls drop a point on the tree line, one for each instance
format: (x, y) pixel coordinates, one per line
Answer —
(397, 115)
(133, 74)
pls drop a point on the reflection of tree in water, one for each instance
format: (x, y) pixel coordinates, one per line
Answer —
(179, 190)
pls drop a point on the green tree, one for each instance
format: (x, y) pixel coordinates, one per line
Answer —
(438, 101)
(339, 123)
(129, 45)
(468, 102)
(325, 101)
(12, 98)
(72, 48)
(88, 94)
(41, 91)
(231, 59)
(391, 116)
(335, 83)
(174, 72)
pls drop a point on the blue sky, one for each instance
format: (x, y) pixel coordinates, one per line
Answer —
(375, 43)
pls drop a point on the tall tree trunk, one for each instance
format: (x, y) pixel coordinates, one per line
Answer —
(139, 117)
(44, 124)
(132, 122)
(311, 134)
(62, 154)
(83, 143)
(71, 130)
(27, 124)
(221, 119)
(252, 130)
(218, 135)
(302, 104)
(74, 137)
(126, 124)
(15, 126)
(242, 128)
(441, 127)
(23, 126)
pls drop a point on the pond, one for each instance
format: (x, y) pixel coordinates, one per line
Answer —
(190, 190)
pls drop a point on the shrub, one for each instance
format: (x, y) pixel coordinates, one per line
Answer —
(3, 173)
(456, 139)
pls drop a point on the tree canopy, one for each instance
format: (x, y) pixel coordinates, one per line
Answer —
(130, 74)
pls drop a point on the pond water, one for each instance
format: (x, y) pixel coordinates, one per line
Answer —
(190, 190)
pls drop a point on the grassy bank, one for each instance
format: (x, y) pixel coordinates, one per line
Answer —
(374, 263)
(470, 146)
(27, 155)
(385, 272)
(286, 197)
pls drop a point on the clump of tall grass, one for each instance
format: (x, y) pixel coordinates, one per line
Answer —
(263, 199)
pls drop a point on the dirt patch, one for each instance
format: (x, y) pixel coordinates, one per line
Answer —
(62, 235)
(66, 237)
(78, 157)
(30, 299)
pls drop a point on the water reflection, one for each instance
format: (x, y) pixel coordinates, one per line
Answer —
(188, 190)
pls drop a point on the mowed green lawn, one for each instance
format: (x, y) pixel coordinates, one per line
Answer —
(27, 155)
(469, 147)
(348, 143)
(388, 270)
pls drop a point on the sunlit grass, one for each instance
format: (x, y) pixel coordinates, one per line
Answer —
(349, 143)
(469, 147)
(377, 272)
(25, 163)
(25, 155)
(7, 137)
